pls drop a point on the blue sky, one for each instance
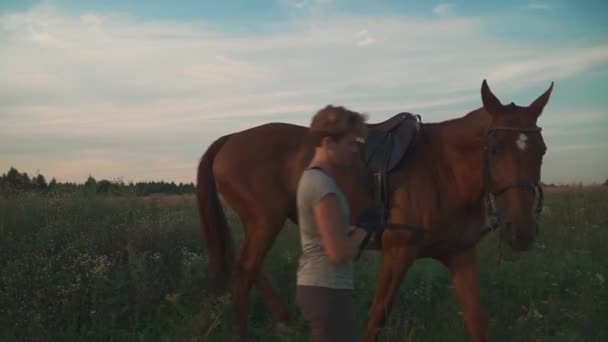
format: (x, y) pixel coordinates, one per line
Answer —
(137, 90)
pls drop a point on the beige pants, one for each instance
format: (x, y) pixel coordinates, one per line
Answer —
(330, 313)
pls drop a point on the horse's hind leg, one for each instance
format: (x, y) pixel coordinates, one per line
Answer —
(259, 236)
(278, 309)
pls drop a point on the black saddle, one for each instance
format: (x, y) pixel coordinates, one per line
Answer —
(388, 141)
(387, 144)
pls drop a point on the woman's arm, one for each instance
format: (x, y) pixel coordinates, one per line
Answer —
(339, 246)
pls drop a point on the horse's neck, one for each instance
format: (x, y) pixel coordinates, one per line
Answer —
(457, 150)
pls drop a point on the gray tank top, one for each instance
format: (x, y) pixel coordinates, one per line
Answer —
(315, 268)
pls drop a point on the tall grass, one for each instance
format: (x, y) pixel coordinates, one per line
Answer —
(88, 268)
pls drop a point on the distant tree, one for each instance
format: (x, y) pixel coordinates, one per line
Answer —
(12, 177)
(90, 182)
(14, 180)
(40, 182)
(3, 184)
(26, 181)
(606, 182)
(90, 186)
(53, 186)
(104, 186)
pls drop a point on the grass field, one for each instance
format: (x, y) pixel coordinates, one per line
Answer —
(93, 268)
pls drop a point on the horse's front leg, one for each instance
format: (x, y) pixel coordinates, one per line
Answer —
(465, 278)
(395, 263)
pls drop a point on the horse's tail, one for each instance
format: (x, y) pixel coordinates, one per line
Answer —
(213, 220)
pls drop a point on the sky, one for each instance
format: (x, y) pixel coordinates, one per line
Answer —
(137, 90)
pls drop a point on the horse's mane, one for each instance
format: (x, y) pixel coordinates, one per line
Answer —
(474, 121)
(439, 158)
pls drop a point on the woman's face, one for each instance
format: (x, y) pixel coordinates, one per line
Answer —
(343, 151)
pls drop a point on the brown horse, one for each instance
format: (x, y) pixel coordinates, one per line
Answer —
(460, 172)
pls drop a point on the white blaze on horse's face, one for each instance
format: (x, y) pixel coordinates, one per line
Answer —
(521, 142)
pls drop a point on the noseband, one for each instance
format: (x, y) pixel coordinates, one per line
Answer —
(495, 218)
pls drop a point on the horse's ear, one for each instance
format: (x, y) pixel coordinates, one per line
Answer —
(536, 108)
(490, 102)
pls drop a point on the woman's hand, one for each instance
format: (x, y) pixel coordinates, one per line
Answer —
(371, 222)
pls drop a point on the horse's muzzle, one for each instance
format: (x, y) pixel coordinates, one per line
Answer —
(521, 237)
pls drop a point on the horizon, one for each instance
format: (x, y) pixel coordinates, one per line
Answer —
(120, 180)
(137, 92)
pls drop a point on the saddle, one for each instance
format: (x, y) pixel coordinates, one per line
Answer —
(388, 141)
(387, 144)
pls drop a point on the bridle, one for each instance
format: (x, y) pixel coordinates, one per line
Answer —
(495, 218)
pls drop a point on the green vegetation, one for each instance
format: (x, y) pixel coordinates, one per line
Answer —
(14, 182)
(79, 266)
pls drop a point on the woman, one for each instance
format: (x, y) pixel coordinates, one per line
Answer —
(325, 272)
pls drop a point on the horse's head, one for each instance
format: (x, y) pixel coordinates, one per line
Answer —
(514, 150)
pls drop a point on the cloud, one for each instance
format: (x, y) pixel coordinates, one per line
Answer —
(139, 83)
(539, 6)
(300, 5)
(364, 38)
(443, 9)
(538, 68)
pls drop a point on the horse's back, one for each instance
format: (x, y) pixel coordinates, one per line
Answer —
(273, 151)
(269, 142)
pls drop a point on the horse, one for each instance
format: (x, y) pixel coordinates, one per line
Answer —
(461, 179)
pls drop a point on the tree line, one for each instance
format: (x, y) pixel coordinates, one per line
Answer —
(14, 181)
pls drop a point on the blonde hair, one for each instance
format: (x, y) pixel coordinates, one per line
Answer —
(336, 122)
